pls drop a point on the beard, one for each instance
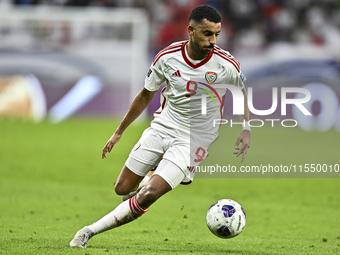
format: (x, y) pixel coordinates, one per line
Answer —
(202, 50)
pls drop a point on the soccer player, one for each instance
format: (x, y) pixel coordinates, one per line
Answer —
(181, 131)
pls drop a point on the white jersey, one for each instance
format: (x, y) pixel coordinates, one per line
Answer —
(180, 113)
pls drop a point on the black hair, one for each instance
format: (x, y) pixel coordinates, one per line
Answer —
(205, 12)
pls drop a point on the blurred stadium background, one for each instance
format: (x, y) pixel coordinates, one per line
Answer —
(84, 60)
(63, 58)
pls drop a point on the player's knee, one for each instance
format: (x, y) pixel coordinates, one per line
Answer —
(121, 189)
(147, 196)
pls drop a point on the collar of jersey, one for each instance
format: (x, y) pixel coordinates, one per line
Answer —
(198, 64)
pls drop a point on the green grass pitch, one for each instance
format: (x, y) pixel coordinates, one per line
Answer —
(53, 182)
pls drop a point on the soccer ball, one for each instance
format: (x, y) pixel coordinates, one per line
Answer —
(226, 218)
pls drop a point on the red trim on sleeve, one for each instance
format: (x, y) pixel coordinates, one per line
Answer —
(167, 50)
(218, 51)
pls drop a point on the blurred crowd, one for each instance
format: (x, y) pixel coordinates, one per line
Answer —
(247, 24)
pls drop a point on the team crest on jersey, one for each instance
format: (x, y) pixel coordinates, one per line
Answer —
(210, 77)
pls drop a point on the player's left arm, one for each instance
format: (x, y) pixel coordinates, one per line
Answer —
(244, 137)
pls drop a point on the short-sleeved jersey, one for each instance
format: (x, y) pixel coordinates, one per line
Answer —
(186, 80)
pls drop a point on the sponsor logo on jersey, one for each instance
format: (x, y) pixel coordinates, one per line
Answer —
(192, 169)
(136, 147)
(149, 73)
(210, 77)
(177, 73)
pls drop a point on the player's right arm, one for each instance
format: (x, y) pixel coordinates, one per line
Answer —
(138, 105)
(153, 81)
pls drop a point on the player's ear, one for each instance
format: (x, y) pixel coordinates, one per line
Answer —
(191, 30)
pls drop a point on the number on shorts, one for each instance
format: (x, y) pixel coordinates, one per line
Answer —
(200, 153)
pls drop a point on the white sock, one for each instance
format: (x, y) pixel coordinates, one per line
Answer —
(125, 212)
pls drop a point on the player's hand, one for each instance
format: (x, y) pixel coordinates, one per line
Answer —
(110, 143)
(244, 138)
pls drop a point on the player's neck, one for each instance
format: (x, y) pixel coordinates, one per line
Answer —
(192, 53)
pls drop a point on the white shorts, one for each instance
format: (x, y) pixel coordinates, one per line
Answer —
(154, 146)
(170, 172)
